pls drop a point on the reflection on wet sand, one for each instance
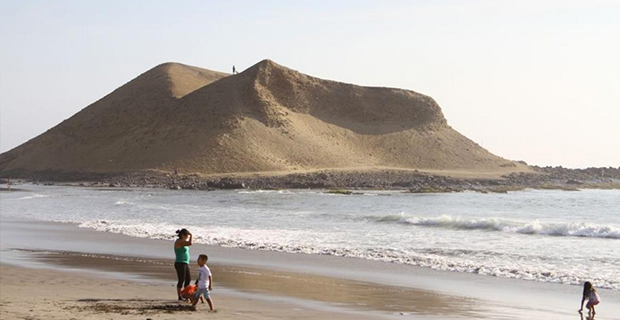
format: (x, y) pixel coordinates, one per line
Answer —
(358, 294)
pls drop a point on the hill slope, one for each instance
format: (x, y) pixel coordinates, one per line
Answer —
(268, 118)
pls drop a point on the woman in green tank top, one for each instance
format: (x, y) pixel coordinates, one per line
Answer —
(181, 261)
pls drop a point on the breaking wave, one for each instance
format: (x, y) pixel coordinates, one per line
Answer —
(571, 229)
(34, 196)
(487, 263)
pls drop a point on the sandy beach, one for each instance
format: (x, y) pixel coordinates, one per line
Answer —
(86, 274)
(52, 294)
(99, 286)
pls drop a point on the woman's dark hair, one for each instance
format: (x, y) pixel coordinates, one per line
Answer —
(587, 286)
(182, 233)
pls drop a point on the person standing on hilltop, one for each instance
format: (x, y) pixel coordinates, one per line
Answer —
(234, 69)
(181, 261)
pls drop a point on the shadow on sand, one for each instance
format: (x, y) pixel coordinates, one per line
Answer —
(132, 306)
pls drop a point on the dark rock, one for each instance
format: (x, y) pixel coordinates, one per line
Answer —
(571, 181)
(227, 184)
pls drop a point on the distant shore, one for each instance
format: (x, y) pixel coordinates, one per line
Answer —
(415, 181)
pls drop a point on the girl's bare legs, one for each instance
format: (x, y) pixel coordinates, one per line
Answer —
(591, 311)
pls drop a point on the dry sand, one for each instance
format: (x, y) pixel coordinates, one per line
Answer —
(266, 119)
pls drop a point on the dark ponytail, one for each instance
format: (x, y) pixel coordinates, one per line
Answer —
(587, 286)
(182, 233)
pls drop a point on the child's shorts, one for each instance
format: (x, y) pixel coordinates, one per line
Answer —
(203, 292)
(591, 304)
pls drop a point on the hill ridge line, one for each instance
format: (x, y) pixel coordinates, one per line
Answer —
(268, 118)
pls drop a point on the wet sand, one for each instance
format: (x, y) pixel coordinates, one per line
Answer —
(54, 294)
(351, 295)
(334, 285)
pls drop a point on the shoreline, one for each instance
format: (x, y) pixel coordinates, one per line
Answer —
(341, 180)
(354, 296)
(72, 294)
(495, 295)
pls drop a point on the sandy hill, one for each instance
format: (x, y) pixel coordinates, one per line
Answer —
(267, 118)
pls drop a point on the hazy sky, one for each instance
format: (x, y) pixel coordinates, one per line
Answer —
(529, 80)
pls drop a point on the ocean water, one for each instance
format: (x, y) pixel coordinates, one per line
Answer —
(551, 236)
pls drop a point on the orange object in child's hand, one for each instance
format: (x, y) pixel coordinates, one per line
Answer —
(188, 291)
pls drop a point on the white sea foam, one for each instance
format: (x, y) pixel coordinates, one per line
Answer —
(33, 196)
(297, 241)
(542, 236)
(572, 229)
(265, 192)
